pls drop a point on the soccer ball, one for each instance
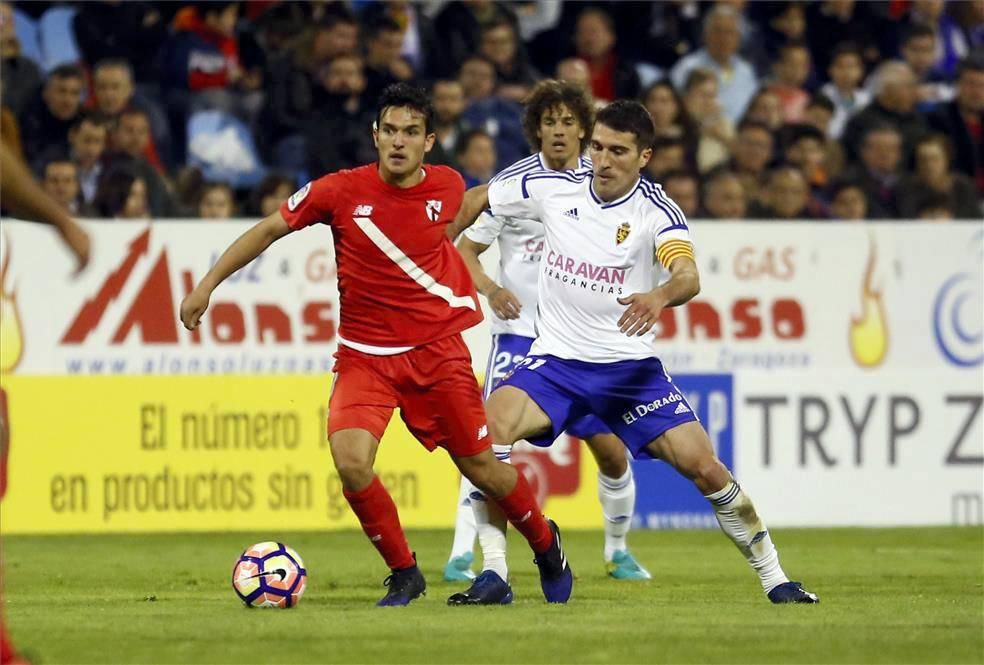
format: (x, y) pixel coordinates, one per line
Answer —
(269, 575)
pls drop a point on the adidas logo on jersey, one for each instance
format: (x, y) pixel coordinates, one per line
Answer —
(572, 213)
(681, 408)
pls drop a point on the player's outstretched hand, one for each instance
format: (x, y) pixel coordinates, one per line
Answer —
(192, 308)
(505, 305)
(643, 312)
(78, 243)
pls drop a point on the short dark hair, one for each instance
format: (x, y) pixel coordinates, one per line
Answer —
(841, 184)
(381, 24)
(92, 117)
(752, 124)
(879, 128)
(628, 115)
(113, 191)
(972, 63)
(550, 94)
(696, 77)
(933, 199)
(209, 185)
(821, 100)
(796, 133)
(56, 156)
(403, 94)
(496, 23)
(113, 63)
(464, 141)
(846, 48)
(337, 14)
(917, 30)
(66, 71)
(792, 45)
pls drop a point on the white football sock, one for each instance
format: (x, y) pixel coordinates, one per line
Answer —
(617, 496)
(739, 521)
(465, 529)
(491, 523)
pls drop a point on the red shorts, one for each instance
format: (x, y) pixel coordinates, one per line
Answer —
(4, 442)
(433, 386)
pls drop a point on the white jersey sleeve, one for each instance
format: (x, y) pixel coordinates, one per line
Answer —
(517, 197)
(486, 230)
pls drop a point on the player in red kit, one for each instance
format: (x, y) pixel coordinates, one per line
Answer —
(405, 297)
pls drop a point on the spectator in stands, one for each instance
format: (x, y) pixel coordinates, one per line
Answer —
(715, 130)
(500, 118)
(291, 81)
(753, 150)
(833, 22)
(21, 76)
(420, 47)
(786, 196)
(848, 201)
(933, 177)
(114, 92)
(500, 44)
(448, 98)
(669, 154)
(45, 122)
(459, 27)
(791, 70)
(819, 113)
(574, 70)
(60, 179)
(128, 139)
(339, 131)
(895, 103)
(805, 150)
(216, 201)
(950, 43)
(919, 52)
(612, 77)
(684, 189)
(786, 26)
(477, 78)
(846, 72)
(134, 32)
(878, 171)
(766, 109)
(736, 78)
(935, 207)
(121, 195)
(269, 195)
(475, 153)
(724, 196)
(384, 64)
(670, 116)
(88, 138)
(962, 120)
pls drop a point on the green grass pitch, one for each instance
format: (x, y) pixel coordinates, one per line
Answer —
(887, 596)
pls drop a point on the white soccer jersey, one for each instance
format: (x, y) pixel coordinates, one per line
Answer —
(593, 253)
(520, 249)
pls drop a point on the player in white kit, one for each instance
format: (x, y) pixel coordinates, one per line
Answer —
(557, 120)
(599, 301)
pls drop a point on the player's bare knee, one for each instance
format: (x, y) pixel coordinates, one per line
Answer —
(502, 428)
(710, 475)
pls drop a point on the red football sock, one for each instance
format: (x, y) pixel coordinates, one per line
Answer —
(6, 647)
(377, 513)
(523, 513)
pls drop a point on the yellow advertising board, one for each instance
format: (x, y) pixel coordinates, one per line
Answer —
(202, 453)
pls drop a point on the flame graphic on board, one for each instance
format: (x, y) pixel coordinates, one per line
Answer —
(11, 333)
(869, 332)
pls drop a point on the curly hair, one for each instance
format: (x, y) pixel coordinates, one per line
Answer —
(551, 94)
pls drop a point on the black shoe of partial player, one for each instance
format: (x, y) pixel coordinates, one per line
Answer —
(404, 586)
(487, 589)
(792, 592)
(556, 577)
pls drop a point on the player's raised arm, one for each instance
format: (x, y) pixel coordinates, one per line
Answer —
(684, 283)
(246, 248)
(473, 203)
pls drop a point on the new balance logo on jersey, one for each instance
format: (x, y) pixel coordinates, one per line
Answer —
(483, 432)
(572, 213)
(363, 210)
(433, 209)
(681, 408)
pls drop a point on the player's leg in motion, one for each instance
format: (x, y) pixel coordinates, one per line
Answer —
(512, 416)
(458, 567)
(688, 448)
(354, 451)
(617, 493)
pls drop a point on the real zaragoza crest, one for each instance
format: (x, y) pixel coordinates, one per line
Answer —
(622, 233)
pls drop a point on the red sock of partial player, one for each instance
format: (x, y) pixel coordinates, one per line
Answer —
(6, 646)
(523, 513)
(377, 513)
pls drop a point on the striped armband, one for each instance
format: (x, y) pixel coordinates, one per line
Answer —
(671, 250)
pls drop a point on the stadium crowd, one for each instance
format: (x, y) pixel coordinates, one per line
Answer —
(831, 109)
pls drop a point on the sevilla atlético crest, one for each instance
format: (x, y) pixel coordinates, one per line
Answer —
(433, 210)
(622, 233)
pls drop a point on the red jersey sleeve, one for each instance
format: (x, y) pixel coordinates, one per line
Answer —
(313, 203)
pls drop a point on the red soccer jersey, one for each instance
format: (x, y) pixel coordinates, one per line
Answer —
(400, 280)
